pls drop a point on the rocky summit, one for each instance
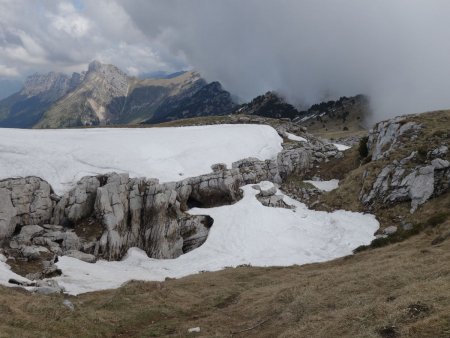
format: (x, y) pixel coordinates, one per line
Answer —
(105, 95)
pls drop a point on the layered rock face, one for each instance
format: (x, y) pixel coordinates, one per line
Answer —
(422, 174)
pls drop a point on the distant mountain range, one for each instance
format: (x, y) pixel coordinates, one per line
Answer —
(105, 95)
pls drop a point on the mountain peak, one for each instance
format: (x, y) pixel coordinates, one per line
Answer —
(269, 104)
(94, 66)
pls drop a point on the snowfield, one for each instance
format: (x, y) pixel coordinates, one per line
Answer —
(341, 147)
(324, 185)
(293, 137)
(63, 156)
(243, 233)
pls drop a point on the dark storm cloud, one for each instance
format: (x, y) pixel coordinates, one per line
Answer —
(398, 51)
(65, 35)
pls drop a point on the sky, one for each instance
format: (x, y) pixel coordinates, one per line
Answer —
(395, 51)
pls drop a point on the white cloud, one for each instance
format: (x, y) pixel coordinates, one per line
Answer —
(8, 71)
(65, 36)
(69, 21)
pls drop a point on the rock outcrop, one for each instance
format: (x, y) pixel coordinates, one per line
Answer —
(151, 215)
(387, 136)
(24, 201)
(422, 174)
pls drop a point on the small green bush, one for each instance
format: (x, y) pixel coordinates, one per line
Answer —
(363, 149)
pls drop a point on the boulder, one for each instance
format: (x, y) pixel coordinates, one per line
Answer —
(70, 241)
(28, 232)
(390, 230)
(267, 189)
(439, 163)
(32, 252)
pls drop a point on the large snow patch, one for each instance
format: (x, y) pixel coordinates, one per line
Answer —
(63, 156)
(243, 233)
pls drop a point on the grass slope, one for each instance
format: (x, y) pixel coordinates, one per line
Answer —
(400, 290)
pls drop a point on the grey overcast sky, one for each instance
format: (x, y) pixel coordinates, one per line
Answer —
(396, 51)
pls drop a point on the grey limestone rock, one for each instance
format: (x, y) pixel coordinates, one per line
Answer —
(24, 201)
(32, 252)
(390, 230)
(28, 232)
(400, 180)
(78, 203)
(386, 136)
(7, 214)
(88, 258)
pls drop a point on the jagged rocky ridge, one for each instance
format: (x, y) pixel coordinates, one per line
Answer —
(209, 100)
(117, 212)
(105, 95)
(268, 105)
(40, 91)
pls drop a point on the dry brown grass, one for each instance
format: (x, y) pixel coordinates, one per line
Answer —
(404, 286)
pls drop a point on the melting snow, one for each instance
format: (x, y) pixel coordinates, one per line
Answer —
(243, 233)
(341, 147)
(6, 274)
(325, 185)
(64, 156)
(296, 138)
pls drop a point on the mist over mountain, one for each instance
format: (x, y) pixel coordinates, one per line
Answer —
(395, 51)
